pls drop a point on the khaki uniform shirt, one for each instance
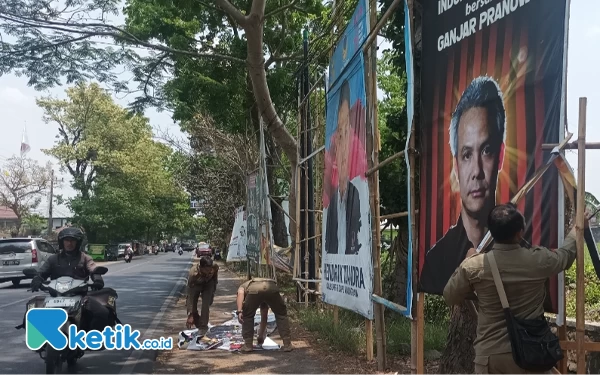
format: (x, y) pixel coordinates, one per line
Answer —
(199, 279)
(255, 280)
(524, 273)
(199, 276)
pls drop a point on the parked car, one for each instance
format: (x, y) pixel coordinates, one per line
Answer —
(203, 249)
(170, 247)
(17, 254)
(188, 246)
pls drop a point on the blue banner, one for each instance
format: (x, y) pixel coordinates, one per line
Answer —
(351, 42)
(347, 265)
(410, 104)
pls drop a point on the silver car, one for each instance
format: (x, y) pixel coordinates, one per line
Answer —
(17, 254)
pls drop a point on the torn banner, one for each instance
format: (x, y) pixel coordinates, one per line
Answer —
(227, 336)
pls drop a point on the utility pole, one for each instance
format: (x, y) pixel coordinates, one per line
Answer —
(50, 202)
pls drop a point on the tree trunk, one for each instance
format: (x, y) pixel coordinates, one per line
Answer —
(280, 233)
(253, 28)
(461, 335)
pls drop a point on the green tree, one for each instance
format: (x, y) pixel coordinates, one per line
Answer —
(95, 135)
(124, 179)
(219, 52)
(34, 224)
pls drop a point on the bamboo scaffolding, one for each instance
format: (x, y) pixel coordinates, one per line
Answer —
(374, 125)
(387, 161)
(282, 210)
(579, 228)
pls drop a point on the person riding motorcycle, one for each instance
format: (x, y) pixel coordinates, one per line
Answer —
(73, 262)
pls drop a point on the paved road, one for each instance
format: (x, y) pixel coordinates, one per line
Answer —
(144, 286)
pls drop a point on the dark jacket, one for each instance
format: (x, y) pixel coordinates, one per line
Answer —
(351, 221)
(77, 265)
(444, 257)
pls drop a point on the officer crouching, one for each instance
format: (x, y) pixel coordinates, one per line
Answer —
(263, 293)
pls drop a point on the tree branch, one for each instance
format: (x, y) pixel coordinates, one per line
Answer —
(232, 11)
(281, 9)
(118, 34)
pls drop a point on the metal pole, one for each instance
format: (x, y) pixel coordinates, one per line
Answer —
(310, 199)
(50, 220)
(579, 228)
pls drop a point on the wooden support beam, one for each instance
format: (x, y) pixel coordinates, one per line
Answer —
(396, 215)
(282, 210)
(374, 31)
(312, 155)
(573, 145)
(384, 163)
(579, 228)
(588, 346)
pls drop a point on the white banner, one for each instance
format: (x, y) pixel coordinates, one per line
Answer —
(237, 244)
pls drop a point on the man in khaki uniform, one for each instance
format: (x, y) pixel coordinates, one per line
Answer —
(524, 273)
(262, 293)
(202, 281)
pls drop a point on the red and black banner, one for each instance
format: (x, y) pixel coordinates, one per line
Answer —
(491, 87)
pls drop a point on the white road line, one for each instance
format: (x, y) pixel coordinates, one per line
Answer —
(135, 356)
(15, 302)
(126, 268)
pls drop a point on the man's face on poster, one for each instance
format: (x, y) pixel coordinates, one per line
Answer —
(343, 142)
(477, 162)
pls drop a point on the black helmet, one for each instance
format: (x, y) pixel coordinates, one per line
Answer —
(71, 232)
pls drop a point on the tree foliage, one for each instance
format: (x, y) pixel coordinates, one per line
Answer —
(23, 182)
(215, 171)
(95, 135)
(124, 179)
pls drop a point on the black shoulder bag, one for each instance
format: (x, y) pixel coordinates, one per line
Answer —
(534, 346)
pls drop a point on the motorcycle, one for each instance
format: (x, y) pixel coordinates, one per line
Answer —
(71, 295)
(180, 252)
(217, 254)
(127, 258)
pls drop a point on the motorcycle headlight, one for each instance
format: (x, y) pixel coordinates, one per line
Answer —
(63, 287)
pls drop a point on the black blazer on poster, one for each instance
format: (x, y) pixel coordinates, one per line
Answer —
(352, 223)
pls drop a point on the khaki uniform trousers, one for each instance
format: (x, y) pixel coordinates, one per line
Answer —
(499, 364)
(267, 292)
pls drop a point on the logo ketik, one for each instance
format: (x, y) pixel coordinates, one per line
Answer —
(44, 326)
(47, 325)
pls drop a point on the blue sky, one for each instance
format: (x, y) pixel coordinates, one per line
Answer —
(17, 101)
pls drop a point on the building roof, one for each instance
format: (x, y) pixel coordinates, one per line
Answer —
(7, 214)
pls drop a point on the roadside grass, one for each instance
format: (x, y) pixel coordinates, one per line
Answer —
(349, 335)
(592, 289)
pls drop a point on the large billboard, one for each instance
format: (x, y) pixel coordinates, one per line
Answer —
(347, 266)
(491, 86)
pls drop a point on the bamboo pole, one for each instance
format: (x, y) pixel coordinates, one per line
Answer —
(306, 205)
(376, 248)
(336, 7)
(579, 221)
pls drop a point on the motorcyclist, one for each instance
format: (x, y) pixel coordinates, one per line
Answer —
(72, 262)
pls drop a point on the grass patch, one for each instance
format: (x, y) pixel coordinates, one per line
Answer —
(592, 289)
(349, 335)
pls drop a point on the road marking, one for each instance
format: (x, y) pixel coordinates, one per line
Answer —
(15, 302)
(126, 268)
(135, 356)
